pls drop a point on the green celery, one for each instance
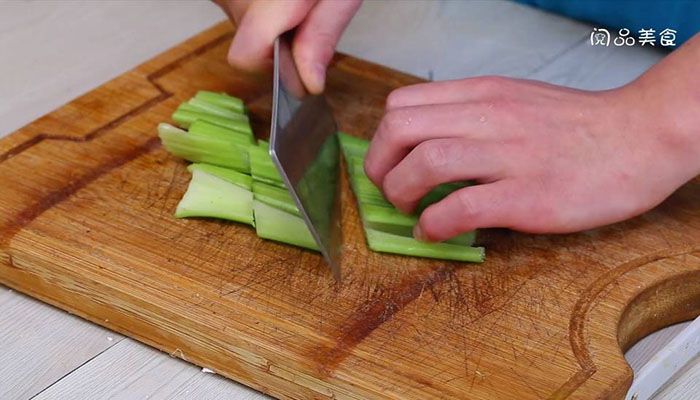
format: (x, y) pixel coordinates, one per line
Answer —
(261, 166)
(221, 100)
(389, 230)
(202, 149)
(391, 220)
(185, 117)
(353, 146)
(204, 128)
(275, 196)
(214, 109)
(210, 196)
(274, 224)
(229, 175)
(390, 243)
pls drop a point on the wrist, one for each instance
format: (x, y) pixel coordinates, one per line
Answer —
(669, 116)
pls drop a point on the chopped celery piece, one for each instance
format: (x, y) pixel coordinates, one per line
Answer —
(391, 220)
(367, 193)
(272, 182)
(214, 109)
(204, 128)
(185, 118)
(390, 243)
(210, 196)
(274, 224)
(203, 149)
(275, 197)
(353, 146)
(227, 174)
(386, 228)
(197, 107)
(261, 166)
(222, 100)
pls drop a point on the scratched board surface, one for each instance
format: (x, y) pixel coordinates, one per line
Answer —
(85, 224)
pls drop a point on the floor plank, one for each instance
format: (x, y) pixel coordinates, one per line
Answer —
(131, 370)
(457, 39)
(597, 68)
(685, 385)
(645, 349)
(62, 49)
(40, 344)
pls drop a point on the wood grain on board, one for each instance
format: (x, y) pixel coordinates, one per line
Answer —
(86, 224)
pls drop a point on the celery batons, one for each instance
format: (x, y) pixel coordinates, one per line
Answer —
(233, 178)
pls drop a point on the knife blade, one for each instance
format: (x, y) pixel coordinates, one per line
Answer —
(304, 148)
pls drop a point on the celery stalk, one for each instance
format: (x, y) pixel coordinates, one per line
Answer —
(222, 100)
(209, 108)
(261, 166)
(274, 224)
(204, 128)
(185, 117)
(275, 196)
(391, 220)
(390, 243)
(210, 196)
(229, 175)
(389, 230)
(203, 149)
(353, 146)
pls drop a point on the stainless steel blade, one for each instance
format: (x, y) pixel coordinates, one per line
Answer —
(304, 147)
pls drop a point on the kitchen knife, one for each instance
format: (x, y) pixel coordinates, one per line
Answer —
(304, 148)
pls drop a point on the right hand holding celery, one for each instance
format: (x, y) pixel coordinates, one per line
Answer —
(233, 178)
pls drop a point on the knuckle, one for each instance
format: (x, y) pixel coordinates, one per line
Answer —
(433, 155)
(467, 206)
(391, 126)
(395, 98)
(491, 83)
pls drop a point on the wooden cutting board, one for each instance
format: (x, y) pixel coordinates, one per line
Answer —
(86, 224)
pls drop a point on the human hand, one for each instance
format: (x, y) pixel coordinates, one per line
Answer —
(319, 25)
(547, 159)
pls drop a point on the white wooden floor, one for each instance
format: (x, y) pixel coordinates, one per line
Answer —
(53, 51)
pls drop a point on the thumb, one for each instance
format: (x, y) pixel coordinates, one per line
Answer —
(316, 38)
(261, 24)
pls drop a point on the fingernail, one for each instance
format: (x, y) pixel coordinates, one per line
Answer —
(319, 75)
(418, 234)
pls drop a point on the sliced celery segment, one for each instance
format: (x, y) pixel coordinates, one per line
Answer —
(204, 128)
(261, 166)
(275, 196)
(203, 149)
(274, 224)
(389, 230)
(391, 220)
(210, 196)
(353, 146)
(390, 243)
(186, 117)
(227, 174)
(209, 108)
(222, 100)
